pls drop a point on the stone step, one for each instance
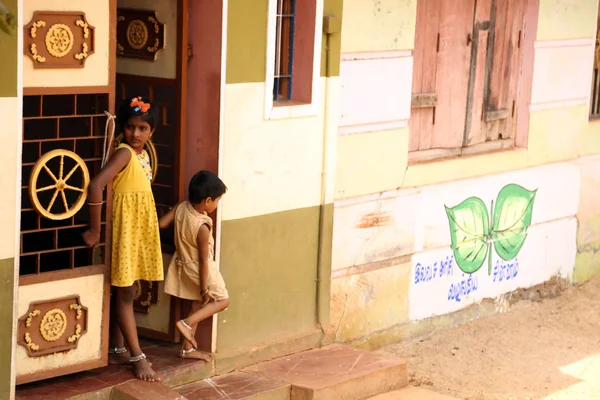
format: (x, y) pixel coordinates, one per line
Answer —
(412, 393)
(139, 390)
(335, 372)
(235, 386)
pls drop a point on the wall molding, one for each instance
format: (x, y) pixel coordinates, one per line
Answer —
(375, 55)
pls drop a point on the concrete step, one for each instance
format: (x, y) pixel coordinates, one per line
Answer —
(335, 372)
(139, 390)
(235, 386)
(412, 393)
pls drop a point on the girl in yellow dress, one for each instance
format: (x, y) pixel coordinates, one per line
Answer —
(135, 252)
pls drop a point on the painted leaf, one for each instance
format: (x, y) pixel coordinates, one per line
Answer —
(469, 227)
(512, 217)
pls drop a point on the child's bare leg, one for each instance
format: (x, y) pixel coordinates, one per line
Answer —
(197, 315)
(187, 350)
(118, 353)
(126, 320)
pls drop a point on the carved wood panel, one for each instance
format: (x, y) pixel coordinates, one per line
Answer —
(58, 39)
(52, 326)
(139, 34)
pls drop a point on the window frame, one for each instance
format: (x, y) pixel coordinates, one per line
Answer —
(292, 109)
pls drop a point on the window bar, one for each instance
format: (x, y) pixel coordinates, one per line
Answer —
(278, 50)
(292, 17)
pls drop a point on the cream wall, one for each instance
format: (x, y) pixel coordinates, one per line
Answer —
(10, 154)
(96, 71)
(268, 165)
(165, 65)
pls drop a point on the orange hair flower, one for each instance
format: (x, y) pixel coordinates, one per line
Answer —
(138, 104)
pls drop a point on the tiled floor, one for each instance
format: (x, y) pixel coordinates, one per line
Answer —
(164, 358)
(234, 386)
(324, 367)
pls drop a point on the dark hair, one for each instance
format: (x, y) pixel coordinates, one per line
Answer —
(203, 185)
(128, 109)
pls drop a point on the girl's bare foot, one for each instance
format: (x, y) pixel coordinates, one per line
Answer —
(186, 332)
(195, 354)
(142, 369)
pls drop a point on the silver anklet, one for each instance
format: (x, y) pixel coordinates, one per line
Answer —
(185, 352)
(185, 324)
(141, 357)
(117, 350)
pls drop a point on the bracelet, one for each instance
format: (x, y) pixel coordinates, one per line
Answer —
(95, 204)
(204, 292)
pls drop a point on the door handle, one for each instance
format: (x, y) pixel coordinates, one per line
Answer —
(469, 39)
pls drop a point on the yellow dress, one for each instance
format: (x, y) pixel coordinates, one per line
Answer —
(136, 252)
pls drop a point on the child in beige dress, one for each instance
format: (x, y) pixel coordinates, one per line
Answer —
(193, 273)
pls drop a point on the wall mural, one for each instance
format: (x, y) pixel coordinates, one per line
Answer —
(473, 230)
(486, 254)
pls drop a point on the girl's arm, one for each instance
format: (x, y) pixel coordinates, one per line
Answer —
(166, 220)
(115, 164)
(203, 237)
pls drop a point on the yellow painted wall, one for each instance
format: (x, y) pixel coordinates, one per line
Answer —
(371, 166)
(95, 72)
(555, 134)
(165, 65)
(567, 19)
(381, 25)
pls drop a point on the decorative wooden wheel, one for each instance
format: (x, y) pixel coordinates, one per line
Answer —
(60, 184)
(150, 149)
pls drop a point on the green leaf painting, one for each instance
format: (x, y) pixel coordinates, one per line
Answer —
(473, 230)
(469, 227)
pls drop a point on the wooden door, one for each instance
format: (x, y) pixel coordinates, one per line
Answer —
(63, 284)
(494, 78)
(466, 74)
(163, 82)
(441, 73)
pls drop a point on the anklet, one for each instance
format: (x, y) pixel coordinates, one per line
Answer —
(184, 352)
(141, 357)
(117, 350)
(185, 324)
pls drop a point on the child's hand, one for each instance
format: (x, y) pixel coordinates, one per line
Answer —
(91, 238)
(207, 298)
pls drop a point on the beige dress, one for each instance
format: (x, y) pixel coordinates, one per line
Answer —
(183, 275)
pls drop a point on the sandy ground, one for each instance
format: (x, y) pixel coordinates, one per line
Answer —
(541, 349)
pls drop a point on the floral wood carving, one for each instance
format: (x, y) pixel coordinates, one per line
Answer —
(58, 39)
(146, 296)
(139, 34)
(52, 326)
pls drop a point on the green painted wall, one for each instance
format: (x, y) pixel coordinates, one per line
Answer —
(8, 56)
(331, 66)
(6, 323)
(246, 40)
(269, 263)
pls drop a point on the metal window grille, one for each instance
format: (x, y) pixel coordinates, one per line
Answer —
(284, 56)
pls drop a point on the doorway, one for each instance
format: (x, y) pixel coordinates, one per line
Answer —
(181, 75)
(64, 287)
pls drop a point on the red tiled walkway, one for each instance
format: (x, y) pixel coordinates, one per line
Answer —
(164, 358)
